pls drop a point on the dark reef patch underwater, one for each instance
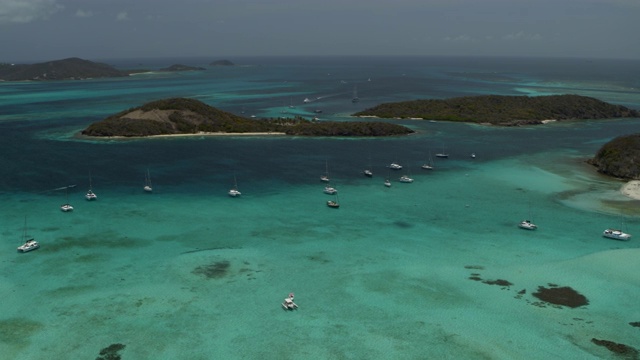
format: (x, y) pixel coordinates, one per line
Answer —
(111, 352)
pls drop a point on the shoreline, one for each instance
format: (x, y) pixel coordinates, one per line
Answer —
(631, 189)
(79, 135)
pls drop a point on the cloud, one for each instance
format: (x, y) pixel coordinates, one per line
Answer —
(24, 11)
(521, 35)
(122, 16)
(84, 14)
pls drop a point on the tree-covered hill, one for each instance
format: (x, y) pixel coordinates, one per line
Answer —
(503, 110)
(189, 116)
(619, 157)
(71, 68)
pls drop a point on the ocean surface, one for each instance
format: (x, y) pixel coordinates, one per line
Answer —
(406, 272)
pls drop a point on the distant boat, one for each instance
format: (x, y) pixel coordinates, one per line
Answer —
(616, 234)
(368, 172)
(405, 179)
(387, 182)
(334, 203)
(234, 190)
(29, 244)
(90, 195)
(306, 100)
(429, 164)
(395, 166)
(443, 154)
(527, 225)
(355, 98)
(66, 207)
(330, 190)
(325, 176)
(473, 155)
(147, 182)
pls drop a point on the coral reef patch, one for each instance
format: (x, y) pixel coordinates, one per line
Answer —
(564, 296)
(111, 352)
(626, 351)
(216, 270)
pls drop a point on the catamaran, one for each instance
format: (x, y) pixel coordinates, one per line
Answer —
(29, 244)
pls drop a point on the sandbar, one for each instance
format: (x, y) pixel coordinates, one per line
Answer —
(631, 189)
(81, 136)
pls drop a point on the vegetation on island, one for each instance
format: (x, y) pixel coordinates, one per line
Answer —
(221, 63)
(66, 69)
(190, 116)
(180, 67)
(619, 157)
(503, 110)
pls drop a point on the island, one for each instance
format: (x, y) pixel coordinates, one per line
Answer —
(65, 69)
(619, 157)
(502, 110)
(183, 116)
(221, 63)
(180, 67)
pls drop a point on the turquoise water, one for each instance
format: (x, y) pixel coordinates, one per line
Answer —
(188, 272)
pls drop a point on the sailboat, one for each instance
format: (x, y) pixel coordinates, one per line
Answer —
(387, 182)
(334, 203)
(66, 207)
(234, 190)
(29, 244)
(147, 182)
(442, 154)
(325, 177)
(528, 224)
(90, 195)
(355, 98)
(368, 172)
(406, 178)
(429, 164)
(616, 234)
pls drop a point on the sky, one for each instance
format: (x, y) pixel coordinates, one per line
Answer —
(42, 30)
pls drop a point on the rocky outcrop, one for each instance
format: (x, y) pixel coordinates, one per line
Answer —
(619, 157)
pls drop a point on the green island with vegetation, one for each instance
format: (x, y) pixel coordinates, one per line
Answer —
(181, 67)
(502, 110)
(619, 157)
(65, 69)
(188, 116)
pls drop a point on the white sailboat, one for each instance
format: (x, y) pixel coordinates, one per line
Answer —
(234, 192)
(90, 195)
(368, 172)
(325, 177)
(29, 244)
(66, 207)
(147, 182)
(616, 234)
(406, 178)
(429, 164)
(387, 182)
(442, 154)
(528, 224)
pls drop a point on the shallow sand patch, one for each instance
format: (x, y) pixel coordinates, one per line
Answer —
(631, 189)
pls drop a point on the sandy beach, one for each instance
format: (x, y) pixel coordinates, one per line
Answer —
(631, 189)
(79, 135)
